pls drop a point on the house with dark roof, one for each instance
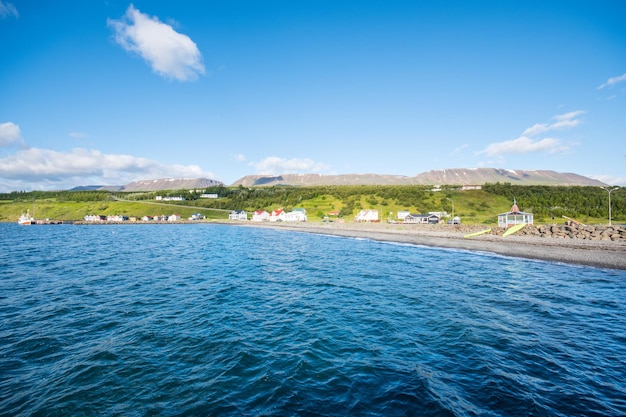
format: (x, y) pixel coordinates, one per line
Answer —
(238, 215)
(429, 218)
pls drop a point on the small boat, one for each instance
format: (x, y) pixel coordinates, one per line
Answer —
(481, 232)
(513, 229)
(25, 219)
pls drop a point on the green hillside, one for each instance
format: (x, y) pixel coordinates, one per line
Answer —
(548, 203)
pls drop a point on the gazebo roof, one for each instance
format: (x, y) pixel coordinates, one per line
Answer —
(514, 210)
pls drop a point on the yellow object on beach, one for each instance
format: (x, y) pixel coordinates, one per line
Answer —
(478, 233)
(513, 229)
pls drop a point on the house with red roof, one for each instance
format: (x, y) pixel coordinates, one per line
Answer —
(277, 215)
(260, 216)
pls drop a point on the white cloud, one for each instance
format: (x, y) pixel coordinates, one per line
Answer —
(563, 121)
(523, 145)
(612, 81)
(274, 165)
(35, 167)
(7, 10)
(526, 143)
(239, 157)
(169, 53)
(10, 135)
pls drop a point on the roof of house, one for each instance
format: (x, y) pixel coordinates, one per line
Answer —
(423, 215)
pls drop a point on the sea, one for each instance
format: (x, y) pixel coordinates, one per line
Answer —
(222, 320)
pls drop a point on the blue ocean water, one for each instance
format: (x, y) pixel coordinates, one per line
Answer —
(173, 320)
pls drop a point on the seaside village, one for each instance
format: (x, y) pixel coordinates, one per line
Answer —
(505, 220)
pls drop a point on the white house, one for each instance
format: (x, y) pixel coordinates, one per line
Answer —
(208, 196)
(277, 215)
(440, 214)
(402, 214)
(513, 217)
(117, 218)
(295, 216)
(174, 218)
(146, 219)
(238, 215)
(197, 216)
(94, 218)
(367, 216)
(161, 198)
(422, 219)
(260, 216)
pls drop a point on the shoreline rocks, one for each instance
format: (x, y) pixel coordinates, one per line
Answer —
(575, 231)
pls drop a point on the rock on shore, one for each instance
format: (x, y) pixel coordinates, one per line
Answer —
(574, 231)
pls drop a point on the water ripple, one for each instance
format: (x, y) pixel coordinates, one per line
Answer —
(215, 320)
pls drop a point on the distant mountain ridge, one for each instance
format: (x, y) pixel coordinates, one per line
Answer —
(459, 176)
(157, 185)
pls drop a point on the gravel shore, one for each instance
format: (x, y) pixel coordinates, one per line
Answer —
(603, 254)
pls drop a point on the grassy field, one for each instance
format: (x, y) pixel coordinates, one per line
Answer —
(71, 210)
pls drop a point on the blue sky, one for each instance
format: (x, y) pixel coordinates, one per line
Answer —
(108, 92)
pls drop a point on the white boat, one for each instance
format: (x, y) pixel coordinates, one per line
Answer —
(26, 219)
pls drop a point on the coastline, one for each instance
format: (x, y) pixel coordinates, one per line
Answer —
(600, 254)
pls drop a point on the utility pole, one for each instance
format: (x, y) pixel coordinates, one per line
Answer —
(609, 191)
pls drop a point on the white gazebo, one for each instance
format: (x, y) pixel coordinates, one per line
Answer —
(513, 217)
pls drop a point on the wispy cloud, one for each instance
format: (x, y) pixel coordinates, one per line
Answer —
(8, 10)
(83, 167)
(239, 157)
(274, 165)
(527, 142)
(523, 145)
(562, 121)
(10, 135)
(612, 81)
(169, 53)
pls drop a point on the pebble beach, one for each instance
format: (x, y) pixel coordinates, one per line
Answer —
(597, 253)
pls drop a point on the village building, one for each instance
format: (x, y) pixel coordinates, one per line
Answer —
(260, 216)
(402, 214)
(238, 215)
(366, 216)
(422, 219)
(117, 218)
(277, 215)
(177, 198)
(297, 215)
(94, 218)
(514, 217)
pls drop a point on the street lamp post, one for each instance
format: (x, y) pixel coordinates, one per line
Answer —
(609, 191)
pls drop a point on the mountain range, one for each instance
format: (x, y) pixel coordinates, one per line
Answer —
(458, 176)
